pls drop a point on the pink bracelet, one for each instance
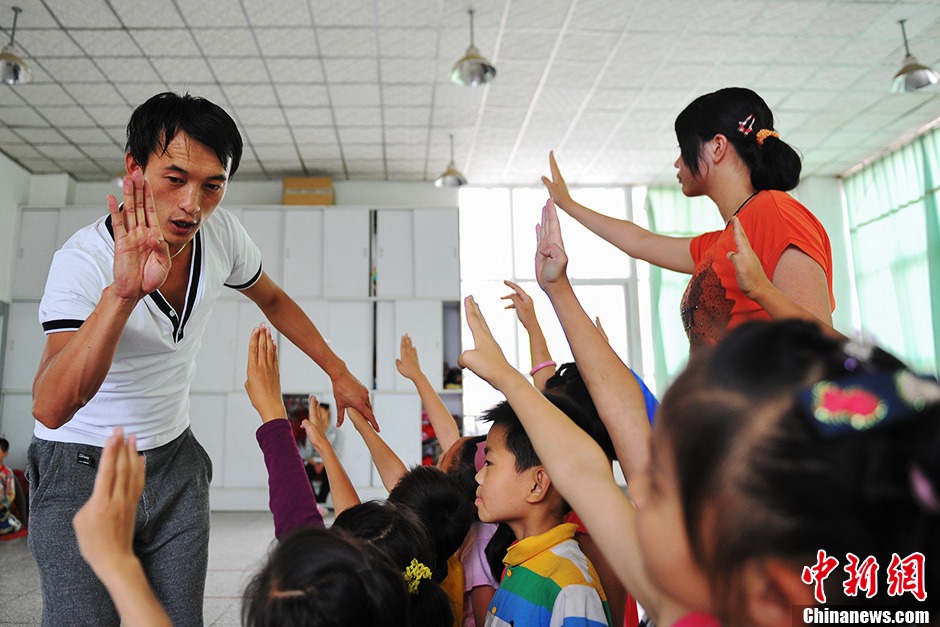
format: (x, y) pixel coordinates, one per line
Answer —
(544, 364)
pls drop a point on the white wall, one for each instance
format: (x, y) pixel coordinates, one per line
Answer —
(14, 191)
(823, 196)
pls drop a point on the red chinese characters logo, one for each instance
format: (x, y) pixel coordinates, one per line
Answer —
(903, 575)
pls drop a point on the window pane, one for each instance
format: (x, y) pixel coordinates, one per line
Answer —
(485, 234)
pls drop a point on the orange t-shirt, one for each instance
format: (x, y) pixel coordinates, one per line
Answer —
(773, 220)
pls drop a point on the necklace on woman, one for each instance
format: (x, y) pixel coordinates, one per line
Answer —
(746, 200)
(173, 256)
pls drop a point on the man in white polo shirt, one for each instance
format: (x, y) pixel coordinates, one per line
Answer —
(124, 309)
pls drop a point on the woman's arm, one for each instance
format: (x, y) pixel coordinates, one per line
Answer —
(538, 347)
(667, 252)
(445, 427)
(776, 301)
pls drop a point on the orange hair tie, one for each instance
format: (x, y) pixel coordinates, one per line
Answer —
(764, 134)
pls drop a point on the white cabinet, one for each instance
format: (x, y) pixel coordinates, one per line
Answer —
(207, 413)
(72, 219)
(423, 320)
(436, 254)
(242, 465)
(34, 252)
(25, 343)
(350, 336)
(299, 373)
(264, 227)
(394, 255)
(399, 417)
(353, 452)
(217, 365)
(249, 316)
(303, 253)
(346, 239)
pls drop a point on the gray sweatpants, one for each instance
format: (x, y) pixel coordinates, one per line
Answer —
(171, 535)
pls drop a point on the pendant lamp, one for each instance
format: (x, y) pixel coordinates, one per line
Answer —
(13, 70)
(912, 75)
(451, 176)
(472, 69)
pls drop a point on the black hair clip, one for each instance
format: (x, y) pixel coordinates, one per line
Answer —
(866, 400)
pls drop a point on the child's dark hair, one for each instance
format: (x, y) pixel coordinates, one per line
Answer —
(754, 450)
(325, 578)
(568, 383)
(155, 123)
(4, 445)
(463, 466)
(738, 114)
(399, 533)
(441, 505)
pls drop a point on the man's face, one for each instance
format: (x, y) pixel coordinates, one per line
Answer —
(188, 183)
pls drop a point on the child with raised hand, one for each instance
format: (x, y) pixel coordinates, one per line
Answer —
(445, 428)
(104, 528)
(543, 367)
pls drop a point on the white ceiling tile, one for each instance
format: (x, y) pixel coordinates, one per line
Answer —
(349, 70)
(22, 151)
(45, 43)
(166, 42)
(316, 150)
(253, 94)
(120, 70)
(268, 134)
(41, 135)
(347, 13)
(8, 136)
(73, 68)
(418, 43)
(287, 13)
(405, 152)
(837, 77)
(347, 42)
(782, 76)
(40, 166)
(309, 116)
(788, 16)
(844, 18)
(212, 14)
(612, 99)
(110, 116)
(183, 70)
(537, 15)
(459, 96)
(135, 14)
(728, 16)
(226, 42)
(506, 95)
(362, 95)
(502, 118)
(602, 15)
(408, 135)
(20, 116)
(85, 14)
(113, 42)
(451, 117)
(526, 45)
(404, 95)
(104, 153)
(287, 42)
(586, 47)
(61, 151)
(302, 95)
(562, 98)
(84, 136)
(360, 134)
(664, 17)
(289, 166)
(358, 116)
(812, 50)
(407, 71)
(239, 70)
(68, 116)
(408, 13)
(43, 94)
(210, 91)
(362, 151)
(268, 152)
(137, 93)
(294, 70)
(519, 72)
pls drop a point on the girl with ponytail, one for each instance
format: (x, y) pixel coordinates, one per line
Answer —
(730, 152)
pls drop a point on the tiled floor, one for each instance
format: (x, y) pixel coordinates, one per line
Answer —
(238, 543)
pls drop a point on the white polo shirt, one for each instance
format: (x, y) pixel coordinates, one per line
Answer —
(147, 388)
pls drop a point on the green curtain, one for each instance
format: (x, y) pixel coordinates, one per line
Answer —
(894, 228)
(671, 213)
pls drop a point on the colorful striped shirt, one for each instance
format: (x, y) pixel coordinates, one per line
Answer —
(548, 582)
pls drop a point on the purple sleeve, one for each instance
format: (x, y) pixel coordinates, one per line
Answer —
(292, 501)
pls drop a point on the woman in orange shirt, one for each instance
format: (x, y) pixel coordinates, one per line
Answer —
(730, 152)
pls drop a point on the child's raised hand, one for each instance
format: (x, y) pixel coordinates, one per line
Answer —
(264, 377)
(522, 303)
(315, 428)
(551, 262)
(556, 186)
(485, 358)
(104, 526)
(747, 267)
(408, 364)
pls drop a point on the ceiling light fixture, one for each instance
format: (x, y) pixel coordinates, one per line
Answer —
(13, 70)
(912, 75)
(473, 69)
(451, 176)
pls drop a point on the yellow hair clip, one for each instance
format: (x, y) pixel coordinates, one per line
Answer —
(415, 572)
